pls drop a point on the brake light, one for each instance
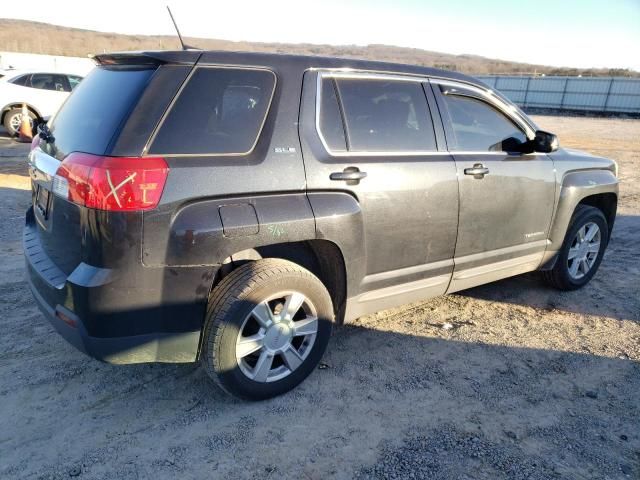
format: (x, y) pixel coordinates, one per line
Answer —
(111, 183)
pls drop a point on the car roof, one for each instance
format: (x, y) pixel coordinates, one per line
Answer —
(276, 61)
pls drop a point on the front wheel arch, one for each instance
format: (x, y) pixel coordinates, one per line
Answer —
(607, 203)
(560, 276)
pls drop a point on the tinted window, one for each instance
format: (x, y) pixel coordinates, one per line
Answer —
(21, 80)
(50, 81)
(220, 111)
(386, 115)
(73, 81)
(91, 116)
(479, 127)
(330, 118)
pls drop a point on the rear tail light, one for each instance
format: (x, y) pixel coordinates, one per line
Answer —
(111, 183)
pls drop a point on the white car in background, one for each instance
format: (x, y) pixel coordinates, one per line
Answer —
(42, 92)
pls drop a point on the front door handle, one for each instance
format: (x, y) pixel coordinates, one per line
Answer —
(478, 170)
(352, 175)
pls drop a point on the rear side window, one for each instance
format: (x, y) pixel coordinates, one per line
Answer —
(479, 127)
(386, 116)
(220, 111)
(50, 81)
(94, 112)
(22, 80)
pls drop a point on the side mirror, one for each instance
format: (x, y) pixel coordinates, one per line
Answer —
(545, 142)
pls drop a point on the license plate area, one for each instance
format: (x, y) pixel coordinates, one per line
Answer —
(42, 201)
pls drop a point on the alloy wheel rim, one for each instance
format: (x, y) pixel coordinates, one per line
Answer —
(584, 250)
(276, 337)
(16, 120)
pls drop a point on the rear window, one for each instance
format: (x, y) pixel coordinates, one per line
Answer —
(92, 115)
(220, 111)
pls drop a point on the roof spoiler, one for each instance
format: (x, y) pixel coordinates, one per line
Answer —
(160, 57)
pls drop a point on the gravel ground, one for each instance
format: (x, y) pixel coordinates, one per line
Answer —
(508, 380)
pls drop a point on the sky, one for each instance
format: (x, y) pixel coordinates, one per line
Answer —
(574, 33)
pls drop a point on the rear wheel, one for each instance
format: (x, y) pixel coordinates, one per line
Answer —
(268, 324)
(13, 119)
(582, 250)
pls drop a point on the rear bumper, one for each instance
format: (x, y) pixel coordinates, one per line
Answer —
(156, 347)
(91, 299)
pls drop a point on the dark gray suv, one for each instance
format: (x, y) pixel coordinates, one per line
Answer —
(231, 207)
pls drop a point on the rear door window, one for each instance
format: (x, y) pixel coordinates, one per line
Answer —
(98, 106)
(220, 111)
(50, 81)
(386, 115)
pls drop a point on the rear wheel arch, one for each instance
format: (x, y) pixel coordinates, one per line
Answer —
(267, 326)
(323, 258)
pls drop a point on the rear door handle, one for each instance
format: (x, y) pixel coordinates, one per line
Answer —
(478, 170)
(349, 174)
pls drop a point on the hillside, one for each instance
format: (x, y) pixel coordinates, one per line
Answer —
(34, 37)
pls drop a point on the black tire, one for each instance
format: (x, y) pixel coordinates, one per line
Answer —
(8, 120)
(559, 277)
(232, 301)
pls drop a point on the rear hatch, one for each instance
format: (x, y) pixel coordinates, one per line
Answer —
(68, 178)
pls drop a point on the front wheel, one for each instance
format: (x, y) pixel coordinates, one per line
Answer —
(268, 324)
(582, 250)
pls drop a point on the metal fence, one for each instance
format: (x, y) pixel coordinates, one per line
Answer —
(596, 94)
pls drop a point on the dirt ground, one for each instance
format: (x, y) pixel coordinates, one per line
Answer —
(527, 383)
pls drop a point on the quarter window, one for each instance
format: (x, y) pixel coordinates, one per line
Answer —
(220, 111)
(385, 115)
(22, 80)
(74, 80)
(479, 127)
